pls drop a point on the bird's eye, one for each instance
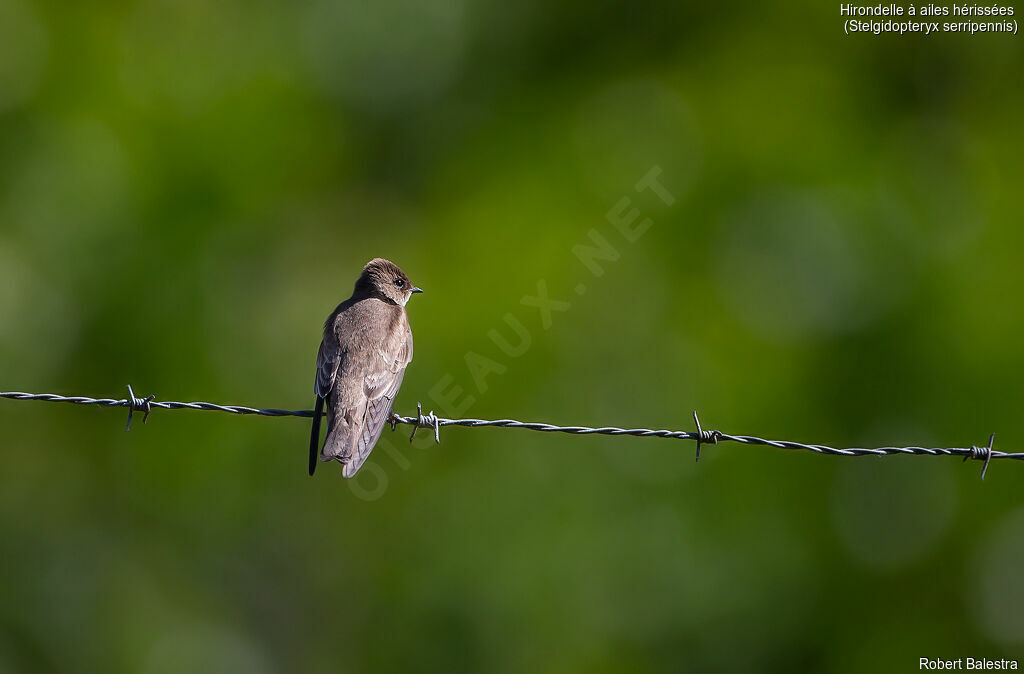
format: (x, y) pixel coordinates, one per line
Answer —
(399, 282)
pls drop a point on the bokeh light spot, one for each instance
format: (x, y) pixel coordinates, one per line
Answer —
(997, 585)
(890, 514)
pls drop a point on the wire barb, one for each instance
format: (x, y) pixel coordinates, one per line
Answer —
(710, 437)
(981, 453)
(139, 404)
(431, 420)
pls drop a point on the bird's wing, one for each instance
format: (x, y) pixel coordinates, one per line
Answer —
(328, 361)
(380, 388)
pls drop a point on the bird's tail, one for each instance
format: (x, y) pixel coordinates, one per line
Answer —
(314, 436)
(338, 443)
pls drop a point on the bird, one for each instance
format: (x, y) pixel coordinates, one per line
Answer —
(366, 346)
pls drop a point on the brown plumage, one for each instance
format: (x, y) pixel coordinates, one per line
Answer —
(366, 346)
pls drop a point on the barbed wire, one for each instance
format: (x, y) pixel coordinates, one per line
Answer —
(430, 420)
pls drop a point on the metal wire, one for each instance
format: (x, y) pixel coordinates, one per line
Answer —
(700, 436)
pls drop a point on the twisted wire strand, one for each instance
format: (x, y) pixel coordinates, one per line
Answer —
(431, 421)
(967, 452)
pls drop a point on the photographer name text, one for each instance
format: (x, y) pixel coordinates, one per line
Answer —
(937, 664)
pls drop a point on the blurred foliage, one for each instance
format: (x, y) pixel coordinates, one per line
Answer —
(188, 188)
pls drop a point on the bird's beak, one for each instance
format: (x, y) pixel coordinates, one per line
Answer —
(416, 290)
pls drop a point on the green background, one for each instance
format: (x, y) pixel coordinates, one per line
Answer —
(188, 188)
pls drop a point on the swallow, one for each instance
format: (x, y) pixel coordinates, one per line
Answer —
(366, 346)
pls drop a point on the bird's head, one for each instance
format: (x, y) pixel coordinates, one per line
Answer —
(386, 280)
